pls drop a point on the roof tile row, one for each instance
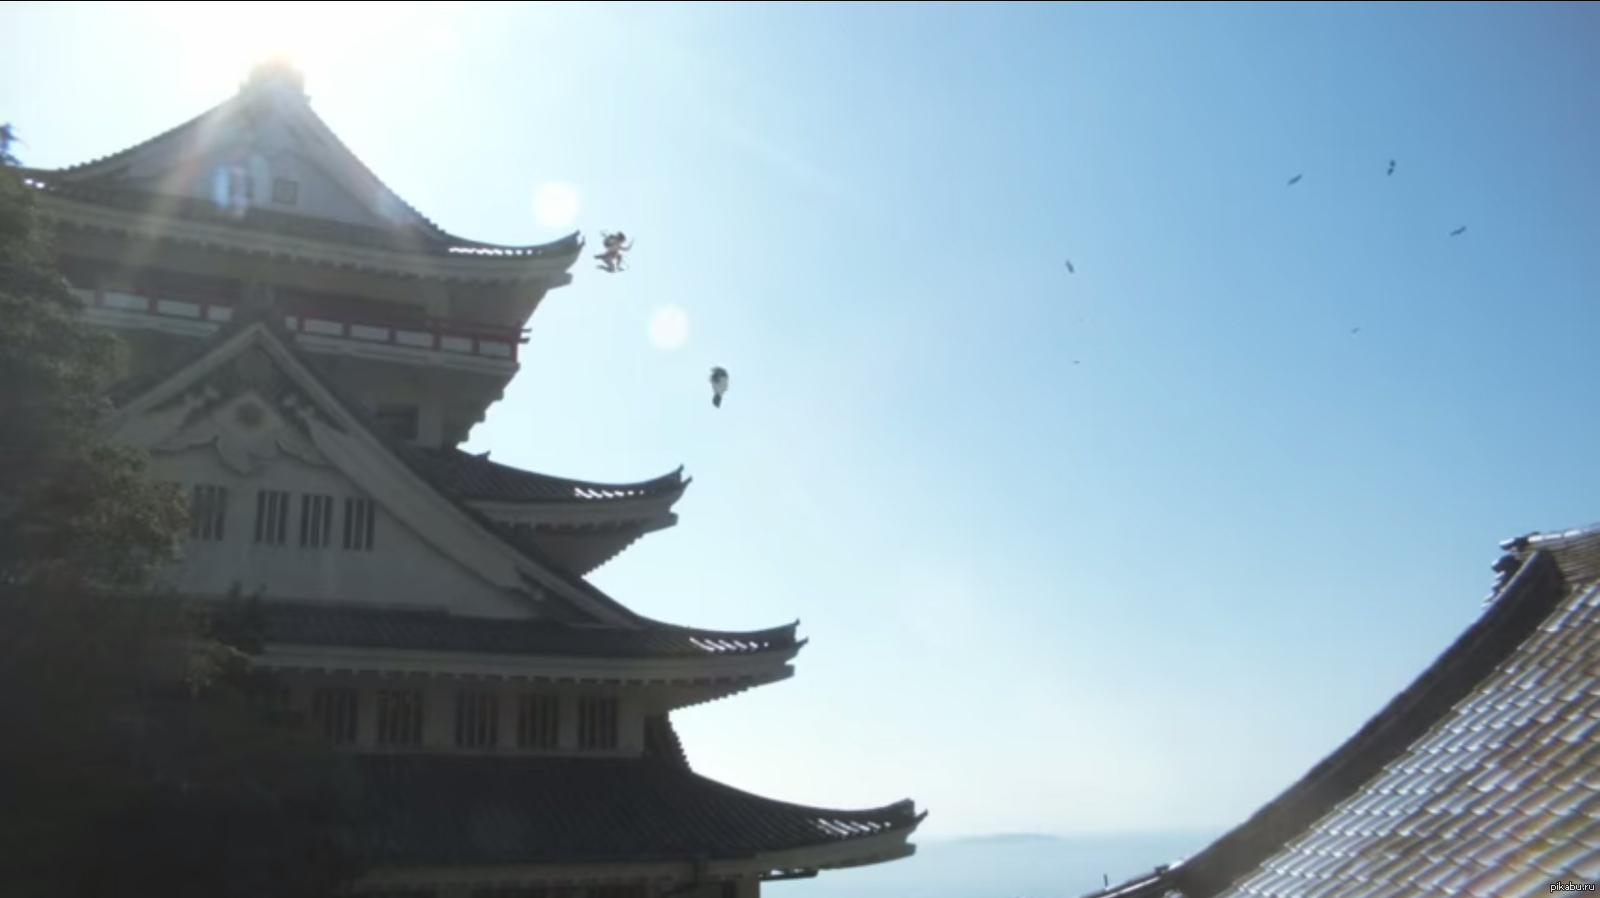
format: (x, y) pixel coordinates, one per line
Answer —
(1500, 798)
(476, 478)
(438, 809)
(322, 624)
(1482, 778)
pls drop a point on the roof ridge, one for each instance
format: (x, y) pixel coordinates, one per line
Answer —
(1525, 602)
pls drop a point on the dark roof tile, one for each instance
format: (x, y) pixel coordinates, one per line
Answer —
(475, 478)
(1524, 797)
(1493, 700)
(371, 627)
(451, 810)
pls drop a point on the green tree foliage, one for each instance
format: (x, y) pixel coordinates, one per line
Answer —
(140, 754)
(8, 136)
(72, 506)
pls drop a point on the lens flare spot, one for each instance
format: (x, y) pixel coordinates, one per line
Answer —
(555, 205)
(669, 328)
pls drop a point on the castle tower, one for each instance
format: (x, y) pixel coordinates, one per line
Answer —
(309, 353)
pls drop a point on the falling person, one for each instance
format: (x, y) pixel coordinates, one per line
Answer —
(615, 245)
(719, 385)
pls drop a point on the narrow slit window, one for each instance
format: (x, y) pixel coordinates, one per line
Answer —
(597, 723)
(316, 521)
(477, 719)
(208, 513)
(360, 522)
(272, 517)
(538, 721)
(334, 710)
(400, 718)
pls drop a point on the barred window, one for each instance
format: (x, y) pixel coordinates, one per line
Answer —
(400, 718)
(316, 520)
(538, 721)
(208, 513)
(477, 719)
(272, 517)
(360, 518)
(334, 710)
(597, 723)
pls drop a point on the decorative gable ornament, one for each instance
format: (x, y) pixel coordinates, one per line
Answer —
(246, 434)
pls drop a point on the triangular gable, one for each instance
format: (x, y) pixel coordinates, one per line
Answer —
(265, 134)
(254, 358)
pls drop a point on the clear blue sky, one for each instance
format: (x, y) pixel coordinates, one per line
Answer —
(1128, 549)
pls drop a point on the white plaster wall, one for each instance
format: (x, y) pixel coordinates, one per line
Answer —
(319, 196)
(439, 395)
(376, 383)
(402, 570)
(272, 155)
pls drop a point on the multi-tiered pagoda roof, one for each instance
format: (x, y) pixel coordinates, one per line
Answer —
(263, 362)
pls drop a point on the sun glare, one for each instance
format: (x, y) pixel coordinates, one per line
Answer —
(555, 205)
(669, 328)
(221, 42)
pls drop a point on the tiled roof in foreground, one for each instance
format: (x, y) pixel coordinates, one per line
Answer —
(1500, 799)
(354, 626)
(427, 810)
(1482, 778)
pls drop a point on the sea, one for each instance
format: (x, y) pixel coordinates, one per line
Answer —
(1001, 866)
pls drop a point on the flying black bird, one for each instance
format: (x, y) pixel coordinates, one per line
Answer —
(719, 385)
(1295, 180)
(1070, 269)
(1391, 167)
(1459, 231)
(1354, 331)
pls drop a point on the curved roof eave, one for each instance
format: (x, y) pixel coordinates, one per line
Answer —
(475, 478)
(107, 205)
